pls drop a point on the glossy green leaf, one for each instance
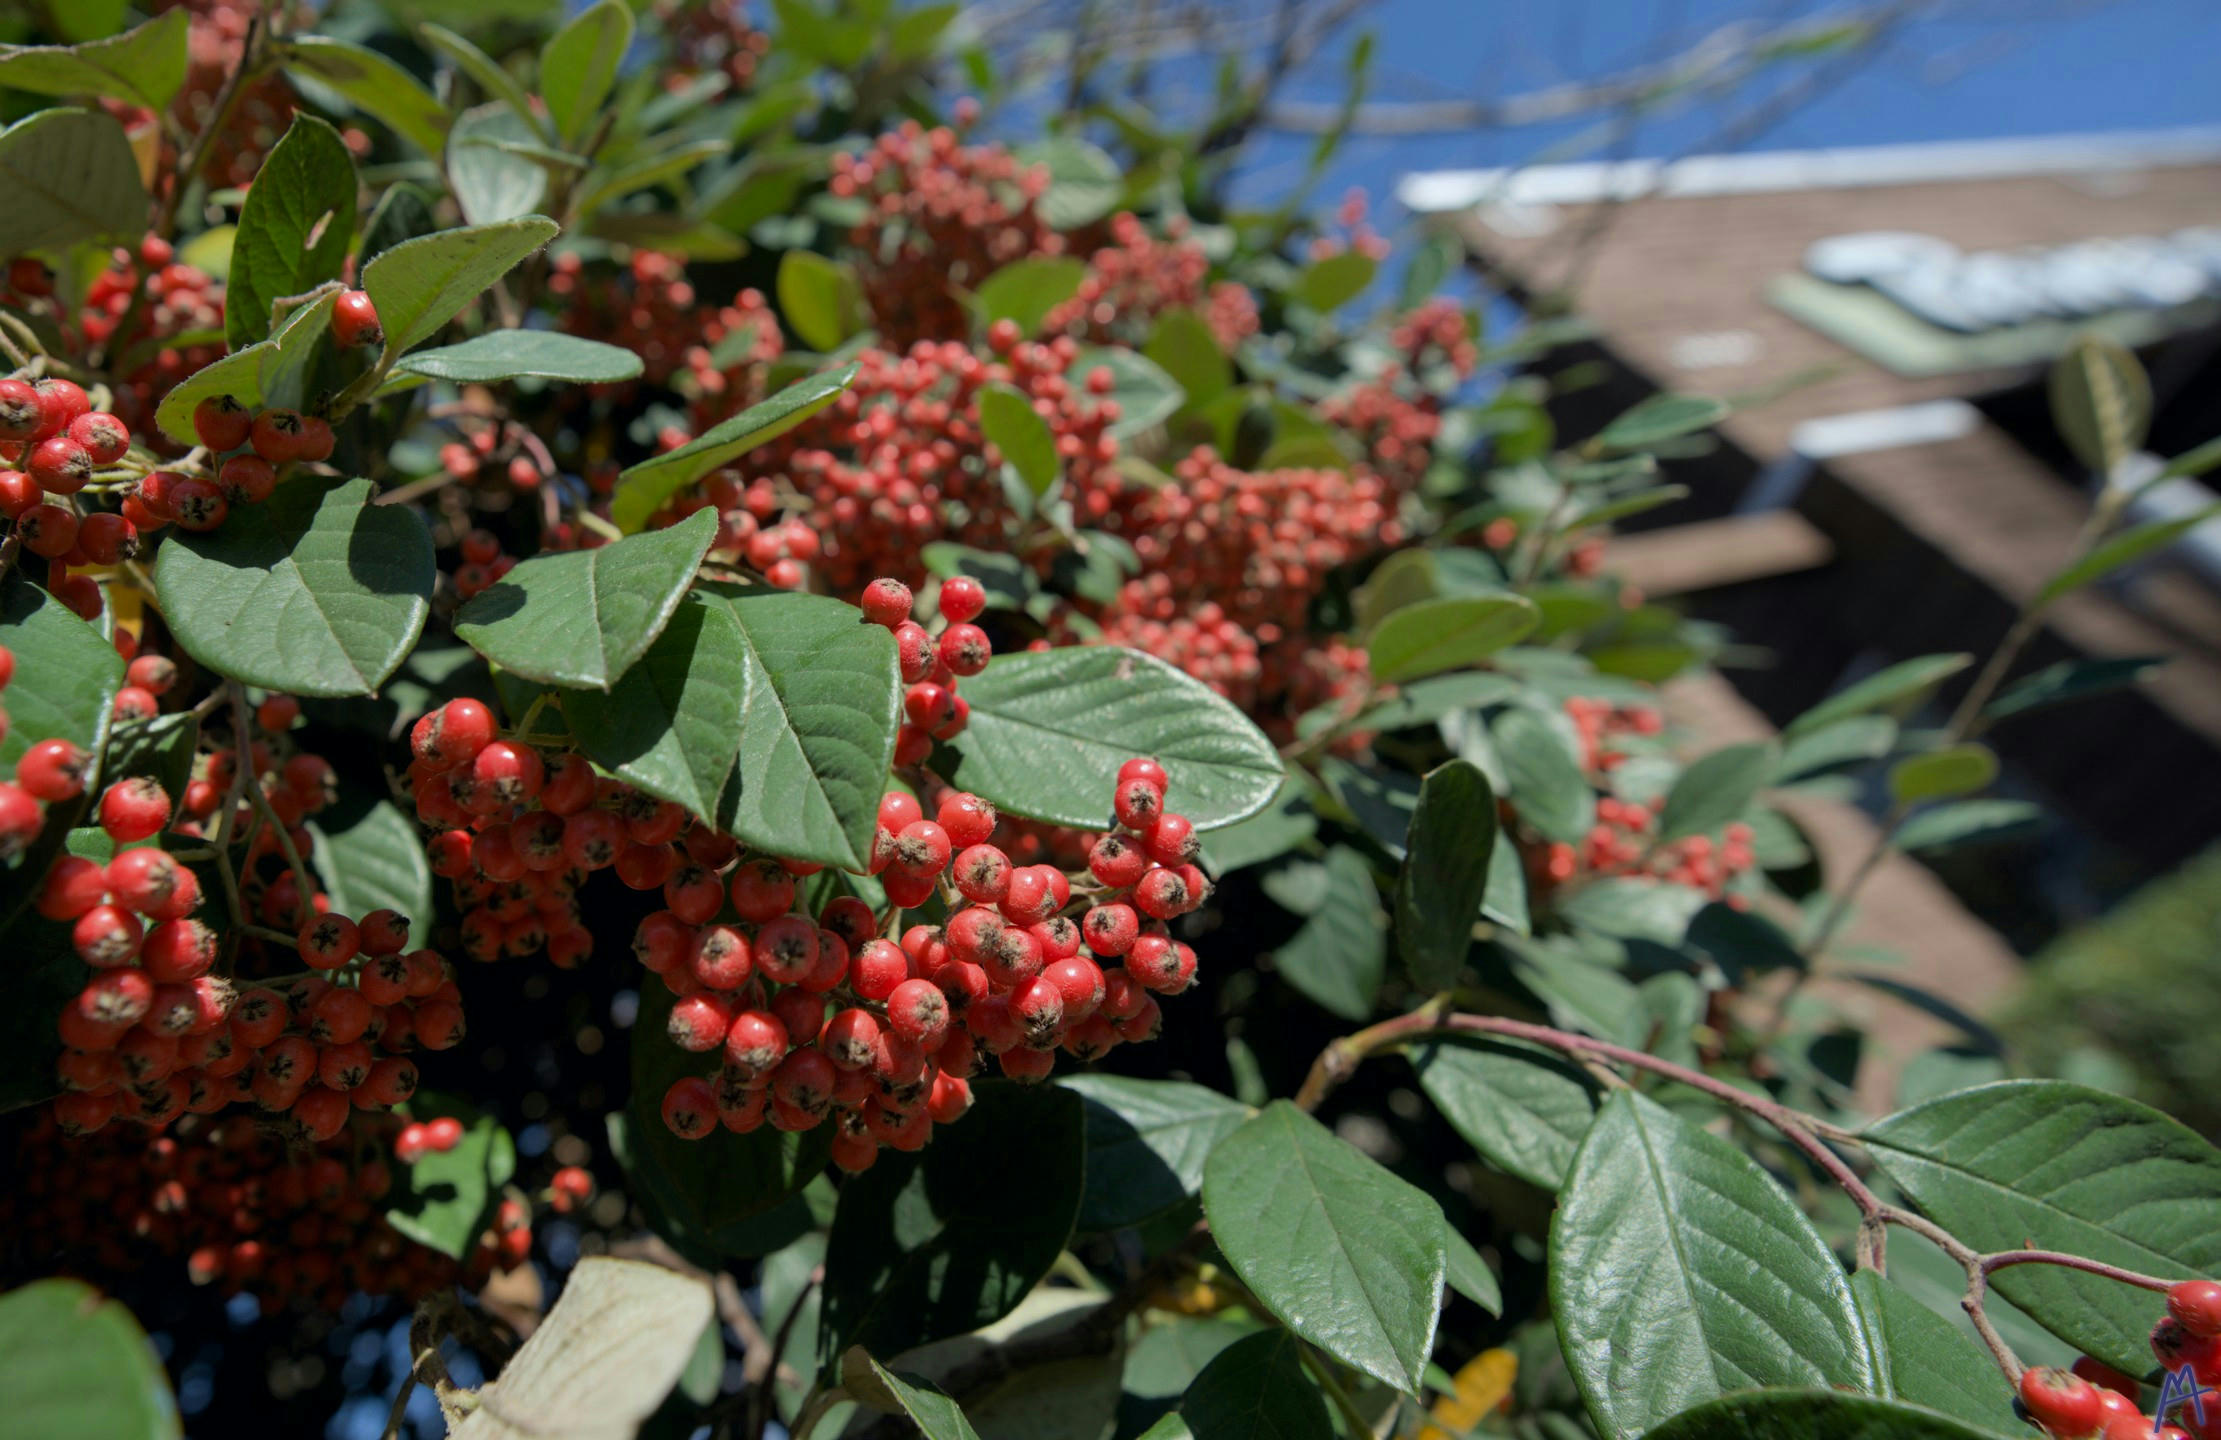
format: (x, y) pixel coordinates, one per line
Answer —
(1543, 775)
(1524, 1109)
(514, 354)
(583, 617)
(70, 178)
(420, 285)
(1968, 822)
(316, 591)
(642, 489)
(1422, 702)
(1025, 291)
(493, 165)
(941, 1242)
(1254, 1389)
(1940, 774)
(671, 723)
(1814, 1415)
(579, 65)
(2101, 401)
(1680, 1270)
(1340, 955)
(1049, 730)
(820, 299)
(1182, 345)
(1146, 1143)
(1657, 420)
(1715, 790)
(145, 66)
(1281, 826)
(373, 84)
(1011, 424)
(1447, 634)
(1926, 1360)
(74, 1365)
(2122, 548)
(1470, 1276)
(1146, 395)
(1346, 1255)
(2056, 1166)
(444, 1199)
(935, 1415)
(295, 228)
(1445, 873)
(271, 372)
(1900, 684)
(370, 857)
(497, 83)
(1084, 182)
(2069, 680)
(1329, 284)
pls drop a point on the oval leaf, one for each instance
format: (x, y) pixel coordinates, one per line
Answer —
(671, 724)
(820, 299)
(316, 591)
(1146, 395)
(1445, 873)
(1715, 790)
(1447, 634)
(1524, 1109)
(1182, 345)
(511, 354)
(145, 66)
(1049, 730)
(578, 66)
(1025, 291)
(2101, 401)
(445, 1199)
(70, 178)
(1657, 420)
(421, 284)
(376, 85)
(371, 857)
(1680, 1270)
(1256, 1389)
(1335, 281)
(935, 1414)
(74, 1365)
(1346, 1255)
(1146, 1143)
(1941, 774)
(583, 617)
(2123, 548)
(1339, 956)
(1084, 182)
(1011, 424)
(1543, 775)
(295, 228)
(1927, 1360)
(1815, 1415)
(642, 489)
(1902, 682)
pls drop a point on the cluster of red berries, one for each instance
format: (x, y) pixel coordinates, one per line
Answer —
(932, 667)
(173, 300)
(652, 309)
(484, 562)
(260, 114)
(2095, 1402)
(1011, 973)
(756, 525)
(264, 440)
(50, 430)
(1137, 277)
(712, 35)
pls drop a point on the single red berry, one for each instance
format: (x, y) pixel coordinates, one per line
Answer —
(106, 936)
(2196, 1305)
(762, 890)
(107, 538)
(982, 873)
(886, 602)
(133, 809)
(104, 437)
(914, 651)
(719, 959)
(804, 1081)
(327, 942)
(452, 734)
(918, 1012)
(962, 598)
(20, 413)
(48, 531)
(222, 423)
(61, 466)
(199, 506)
(1137, 804)
(19, 494)
(355, 321)
(787, 949)
(922, 849)
(512, 772)
(755, 1042)
(73, 886)
(53, 770)
(276, 436)
(21, 819)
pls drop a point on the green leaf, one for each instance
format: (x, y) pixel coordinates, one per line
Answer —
(1470, 1276)
(1345, 1254)
(582, 617)
(1680, 1270)
(1505, 901)
(66, 678)
(1968, 822)
(1715, 790)
(1084, 182)
(2101, 402)
(820, 299)
(145, 66)
(74, 1365)
(1186, 350)
(443, 1200)
(1025, 291)
(1423, 702)
(497, 83)
(2069, 680)
(1657, 420)
(375, 85)
(2122, 548)
(1940, 774)
(935, 1415)
(1523, 1108)
(420, 285)
(1635, 908)
(578, 66)
(642, 489)
(270, 372)
(1254, 1389)
(512, 354)
(160, 748)
(1815, 1415)
(316, 591)
(1010, 423)
(1605, 512)
(710, 1197)
(1445, 873)
(1049, 730)
(492, 166)
(70, 178)
(1337, 959)
(671, 723)
(656, 169)
(1273, 831)
(1926, 1360)
(1329, 284)
(1543, 776)
(1146, 395)
(934, 1244)
(295, 228)
(371, 857)
(1846, 742)
(1447, 634)
(817, 727)
(1146, 1142)
(2040, 1163)
(1901, 684)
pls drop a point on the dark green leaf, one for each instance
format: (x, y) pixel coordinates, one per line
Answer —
(1904, 682)
(1025, 291)
(1049, 730)
(578, 66)
(316, 591)
(371, 857)
(145, 66)
(934, 1244)
(375, 85)
(1715, 790)
(1146, 396)
(443, 1200)
(1524, 1109)
(160, 748)
(2055, 1166)
(1814, 1415)
(1505, 902)
(1345, 1254)
(511, 354)
(1926, 1360)
(1272, 832)
(1447, 634)
(1255, 1389)
(1011, 424)
(1338, 957)
(671, 724)
(1940, 774)
(1084, 183)
(2069, 680)
(583, 617)
(1146, 1142)
(642, 489)
(1605, 512)
(74, 1366)
(1544, 775)
(1470, 1276)
(1680, 1270)
(2101, 402)
(1445, 873)
(1741, 942)
(420, 285)
(1329, 284)
(70, 178)
(935, 1415)
(820, 299)
(66, 678)
(1968, 822)
(1182, 345)
(295, 228)
(2122, 548)
(1659, 419)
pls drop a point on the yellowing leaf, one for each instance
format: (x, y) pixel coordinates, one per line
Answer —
(1483, 1384)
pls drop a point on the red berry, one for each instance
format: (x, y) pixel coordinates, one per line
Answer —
(454, 733)
(914, 650)
(134, 809)
(21, 819)
(48, 531)
(276, 436)
(60, 402)
(20, 412)
(919, 1012)
(719, 958)
(327, 942)
(2063, 1403)
(104, 437)
(222, 423)
(107, 538)
(105, 936)
(52, 770)
(444, 1133)
(762, 891)
(355, 321)
(61, 466)
(886, 602)
(962, 598)
(787, 949)
(2196, 1306)
(511, 772)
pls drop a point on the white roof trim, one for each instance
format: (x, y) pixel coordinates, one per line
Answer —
(1435, 191)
